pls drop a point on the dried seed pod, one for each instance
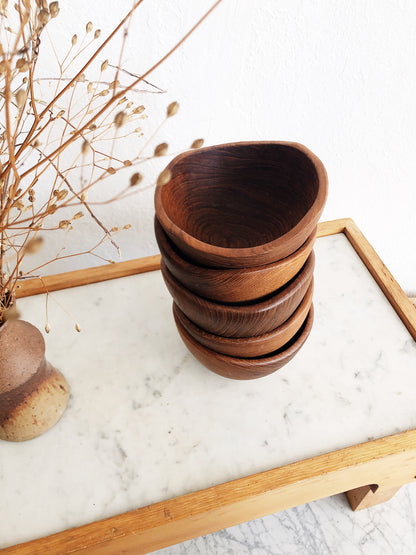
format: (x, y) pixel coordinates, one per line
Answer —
(161, 149)
(111, 170)
(104, 65)
(92, 127)
(120, 119)
(114, 84)
(74, 40)
(64, 224)
(60, 114)
(54, 9)
(135, 179)
(139, 109)
(85, 148)
(47, 327)
(197, 143)
(77, 327)
(172, 109)
(19, 205)
(129, 105)
(114, 229)
(33, 245)
(22, 64)
(164, 177)
(78, 215)
(89, 27)
(60, 195)
(104, 92)
(97, 33)
(127, 163)
(127, 226)
(43, 16)
(81, 78)
(52, 209)
(3, 8)
(89, 87)
(20, 97)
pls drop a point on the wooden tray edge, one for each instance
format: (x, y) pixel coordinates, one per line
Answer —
(55, 282)
(76, 278)
(390, 461)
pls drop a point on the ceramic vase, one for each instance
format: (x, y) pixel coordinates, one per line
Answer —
(33, 394)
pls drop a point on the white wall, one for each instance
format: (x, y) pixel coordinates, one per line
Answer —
(336, 75)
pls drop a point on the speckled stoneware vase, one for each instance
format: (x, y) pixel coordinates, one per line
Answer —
(33, 394)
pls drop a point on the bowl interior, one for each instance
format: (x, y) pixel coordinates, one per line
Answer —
(242, 195)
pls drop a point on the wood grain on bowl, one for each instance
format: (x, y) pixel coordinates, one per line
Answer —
(242, 204)
(248, 347)
(246, 368)
(231, 285)
(243, 320)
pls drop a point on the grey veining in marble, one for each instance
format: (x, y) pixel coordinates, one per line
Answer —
(146, 422)
(324, 527)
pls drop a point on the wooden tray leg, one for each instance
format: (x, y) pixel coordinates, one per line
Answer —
(367, 496)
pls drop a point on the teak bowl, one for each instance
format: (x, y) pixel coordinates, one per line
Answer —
(228, 285)
(248, 347)
(246, 320)
(246, 368)
(242, 204)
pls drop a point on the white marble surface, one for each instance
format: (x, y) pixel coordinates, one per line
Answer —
(324, 527)
(146, 422)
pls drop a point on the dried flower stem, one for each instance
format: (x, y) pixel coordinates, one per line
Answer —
(61, 139)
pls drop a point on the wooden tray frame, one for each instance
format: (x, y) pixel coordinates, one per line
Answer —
(370, 472)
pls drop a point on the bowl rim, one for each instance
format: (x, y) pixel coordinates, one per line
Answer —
(273, 300)
(306, 302)
(242, 252)
(255, 363)
(193, 267)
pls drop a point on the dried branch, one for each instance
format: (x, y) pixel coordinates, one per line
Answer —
(55, 147)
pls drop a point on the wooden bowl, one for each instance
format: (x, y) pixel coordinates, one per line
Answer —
(245, 320)
(242, 204)
(232, 285)
(249, 347)
(246, 368)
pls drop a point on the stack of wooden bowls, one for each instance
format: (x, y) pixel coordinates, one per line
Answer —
(236, 225)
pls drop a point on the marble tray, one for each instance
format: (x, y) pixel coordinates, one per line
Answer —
(155, 449)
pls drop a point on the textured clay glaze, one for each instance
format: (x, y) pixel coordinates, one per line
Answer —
(33, 394)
